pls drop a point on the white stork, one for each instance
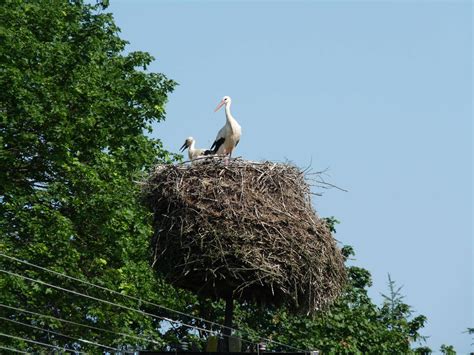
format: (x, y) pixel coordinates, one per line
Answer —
(193, 153)
(229, 135)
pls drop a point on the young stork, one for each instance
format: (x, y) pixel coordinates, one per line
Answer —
(193, 153)
(229, 135)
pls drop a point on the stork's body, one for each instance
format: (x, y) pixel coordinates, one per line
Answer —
(193, 152)
(228, 136)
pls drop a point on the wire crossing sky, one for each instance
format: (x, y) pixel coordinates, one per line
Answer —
(220, 327)
(378, 91)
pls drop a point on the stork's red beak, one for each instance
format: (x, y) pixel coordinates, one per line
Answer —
(220, 105)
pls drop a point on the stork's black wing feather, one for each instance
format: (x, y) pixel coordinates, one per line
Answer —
(216, 145)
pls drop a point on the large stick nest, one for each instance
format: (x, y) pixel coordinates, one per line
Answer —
(244, 229)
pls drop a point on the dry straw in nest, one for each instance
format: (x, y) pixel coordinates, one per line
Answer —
(244, 229)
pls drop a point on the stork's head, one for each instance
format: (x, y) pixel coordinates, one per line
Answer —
(225, 101)
(187, 143)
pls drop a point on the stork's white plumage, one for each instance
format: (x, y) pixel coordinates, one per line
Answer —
(193, 153)
(229, 135)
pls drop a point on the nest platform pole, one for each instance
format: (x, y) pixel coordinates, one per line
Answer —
(228, 320)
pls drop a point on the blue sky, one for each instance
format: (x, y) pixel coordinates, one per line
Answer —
(380, 92)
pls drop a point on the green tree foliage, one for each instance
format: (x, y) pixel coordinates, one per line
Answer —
(353, 325)
(73, 112)
(447, 349)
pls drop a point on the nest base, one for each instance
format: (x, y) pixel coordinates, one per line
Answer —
(246, 230)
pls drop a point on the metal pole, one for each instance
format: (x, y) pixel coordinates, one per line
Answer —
(228, 320)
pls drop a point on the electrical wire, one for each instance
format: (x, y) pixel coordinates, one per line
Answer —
(146, 302)
(116, 292)
(81, 325)
(40, 343)
(13, 349)
(60, 334)
(116, 304)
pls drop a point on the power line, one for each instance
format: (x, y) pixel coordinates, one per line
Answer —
(40, 343)
(114, 292)
(60, 334)
(13, 349)
(146, 302)
(81, 325)
(115, 304)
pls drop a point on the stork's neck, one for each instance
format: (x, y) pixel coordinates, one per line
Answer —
(228, 115)
(191, 147)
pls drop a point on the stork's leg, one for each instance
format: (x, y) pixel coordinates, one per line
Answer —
(229, 156)
(226, 158)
